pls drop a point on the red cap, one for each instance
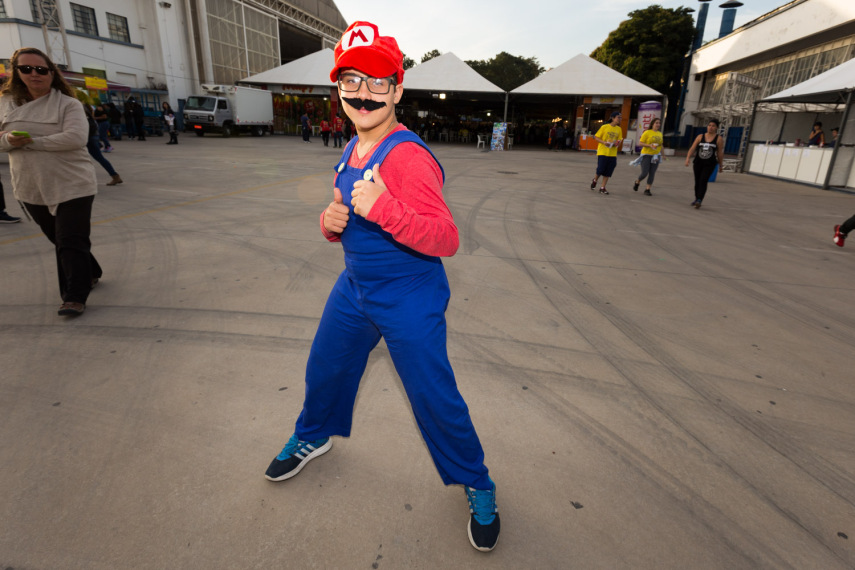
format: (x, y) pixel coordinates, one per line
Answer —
(363, 48)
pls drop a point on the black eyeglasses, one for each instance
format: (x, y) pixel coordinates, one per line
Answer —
(350, 83)
(28, 69)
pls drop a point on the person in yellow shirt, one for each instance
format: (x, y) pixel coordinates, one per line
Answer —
(609, 137)
(651, 154)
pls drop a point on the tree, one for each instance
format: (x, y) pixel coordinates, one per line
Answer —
(430, 55)
(650, 46)
(507, 71)
(409, 63)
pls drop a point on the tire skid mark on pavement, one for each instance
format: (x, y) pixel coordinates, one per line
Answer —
(631, 454)
(831, 477)
(825, 474)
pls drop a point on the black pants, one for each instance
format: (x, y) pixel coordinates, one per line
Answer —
(848, 225)
(703, 171)
(306, 133)
(326, 136)
(139, 124)
(69, 231)
(2, 198)
(173, 136)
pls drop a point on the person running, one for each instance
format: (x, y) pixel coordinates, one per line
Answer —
(389, 215)
(651, 155)
(609, 137)
(710, 152)
(841, 232)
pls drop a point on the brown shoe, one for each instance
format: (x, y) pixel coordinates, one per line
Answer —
(71, 309)
(115, 180)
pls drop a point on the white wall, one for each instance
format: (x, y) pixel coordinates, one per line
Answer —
(176, 55)
(800, 21)
(159, 52)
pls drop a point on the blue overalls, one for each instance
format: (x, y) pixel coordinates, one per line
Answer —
(389, 290)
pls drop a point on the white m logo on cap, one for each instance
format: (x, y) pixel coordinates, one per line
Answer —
(358, 37)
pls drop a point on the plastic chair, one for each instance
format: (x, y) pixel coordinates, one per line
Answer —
(482, 141)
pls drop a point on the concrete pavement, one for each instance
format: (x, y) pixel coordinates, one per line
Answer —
(654, 386)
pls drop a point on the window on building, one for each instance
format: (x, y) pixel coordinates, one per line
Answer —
(778, 77)
(243, 41)
(44, 10)
(118, 27)
(831, 58)
(84, 20)
(93, 72)
(803, 69)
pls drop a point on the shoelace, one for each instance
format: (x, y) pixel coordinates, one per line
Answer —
(482, 504)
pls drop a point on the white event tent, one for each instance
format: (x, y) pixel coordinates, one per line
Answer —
(446, 73)
(583, 75)
(450, 74)
(789, 114)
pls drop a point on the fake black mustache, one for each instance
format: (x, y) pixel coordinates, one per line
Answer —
(366, 103)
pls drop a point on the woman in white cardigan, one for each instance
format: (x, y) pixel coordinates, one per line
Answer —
(43, 128)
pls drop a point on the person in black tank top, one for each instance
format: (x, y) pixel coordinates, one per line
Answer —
(708, 150)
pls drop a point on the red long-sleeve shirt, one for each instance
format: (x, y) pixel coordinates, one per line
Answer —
(412, 209)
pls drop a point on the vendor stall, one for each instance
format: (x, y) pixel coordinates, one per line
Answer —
(780, 123)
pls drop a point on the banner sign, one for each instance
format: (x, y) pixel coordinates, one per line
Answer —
(500, 134)
(96, 83)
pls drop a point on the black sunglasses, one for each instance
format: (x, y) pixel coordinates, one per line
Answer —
(28, 69)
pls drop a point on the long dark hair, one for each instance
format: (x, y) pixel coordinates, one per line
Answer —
(15, 87)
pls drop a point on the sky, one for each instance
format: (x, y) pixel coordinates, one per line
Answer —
(553, 31)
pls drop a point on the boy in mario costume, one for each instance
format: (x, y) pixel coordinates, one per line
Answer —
(393, 224)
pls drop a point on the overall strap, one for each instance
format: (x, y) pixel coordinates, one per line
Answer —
(394, 140)
(345, 156)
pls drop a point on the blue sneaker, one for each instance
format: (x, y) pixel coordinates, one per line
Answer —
(294, 456)
(484, 518)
